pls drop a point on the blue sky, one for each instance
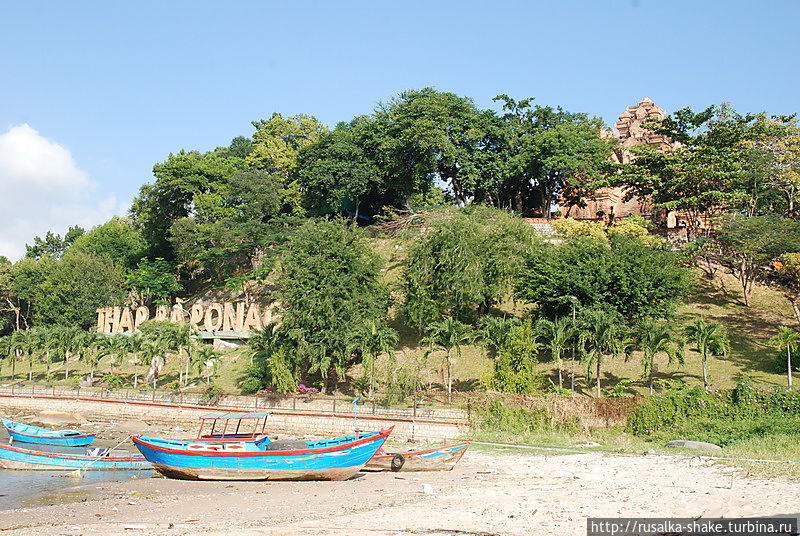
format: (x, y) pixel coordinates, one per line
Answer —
(120, 86)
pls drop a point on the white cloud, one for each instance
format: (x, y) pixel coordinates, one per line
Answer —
(43, 189)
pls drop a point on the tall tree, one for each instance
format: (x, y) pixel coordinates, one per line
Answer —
(429, 135)
(465, 264)
(448, 335)
(710, 339)
(328, 285)
(786, 339)
(653, 337)
(748, 245)
(712, 168)
(75, 287)
(187, 184)
(558, 334)
(602, 334)
(370, 340)
(276, 147)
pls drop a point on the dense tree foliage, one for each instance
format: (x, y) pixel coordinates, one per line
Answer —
(328, 289)
(464, 263)
(623, 275)
(263, 212)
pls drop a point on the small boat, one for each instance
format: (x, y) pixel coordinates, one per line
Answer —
(95, 460)
(25, 433)
(262, 458)
(434, 459)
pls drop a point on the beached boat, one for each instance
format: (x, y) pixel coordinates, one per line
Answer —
(99, 460)
(434, 459)
(262, 459)
(25, 433)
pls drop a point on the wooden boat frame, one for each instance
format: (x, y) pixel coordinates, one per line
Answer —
(259, 426)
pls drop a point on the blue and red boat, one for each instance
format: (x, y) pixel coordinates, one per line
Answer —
(261, 459)
(99, 460)
(25, 433)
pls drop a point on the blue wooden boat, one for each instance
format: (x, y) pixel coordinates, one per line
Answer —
(25, 433)
(433, 459)
(100, 460)
(261, 459)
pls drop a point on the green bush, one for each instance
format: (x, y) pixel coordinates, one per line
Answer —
(499, 417)
(723, 418)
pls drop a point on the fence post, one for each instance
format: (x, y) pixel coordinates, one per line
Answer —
(294, 402)
(334, 405)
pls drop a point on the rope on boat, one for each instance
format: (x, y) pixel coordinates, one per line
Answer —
(579, 450)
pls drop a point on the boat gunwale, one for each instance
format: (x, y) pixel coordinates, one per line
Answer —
(419, 452)
(60, 455)
(383, 434)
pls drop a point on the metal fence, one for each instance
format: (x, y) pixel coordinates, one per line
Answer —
(455, 410)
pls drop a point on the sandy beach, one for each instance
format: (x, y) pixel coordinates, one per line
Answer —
(487, 494)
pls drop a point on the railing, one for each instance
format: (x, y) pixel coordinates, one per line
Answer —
(457, 411)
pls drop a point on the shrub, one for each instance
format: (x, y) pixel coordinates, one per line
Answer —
(212, 395)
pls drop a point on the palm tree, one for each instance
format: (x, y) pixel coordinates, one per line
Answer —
(787, 339)
(136, 344)
(711, 340)
(493, 332)
(602, 334)
(371, 339)
(558, 335)
(203, 357)
(177, 338)
(448, 335)
(653, 338)
(99, 346)
(37, 345)
(119, 348)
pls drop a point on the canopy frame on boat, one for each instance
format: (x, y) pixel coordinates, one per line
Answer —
(259, 423)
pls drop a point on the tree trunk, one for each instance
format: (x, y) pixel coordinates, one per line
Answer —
(448, 378)
(572, 375)
(705, 371)
(795, 308)
(30, 370)
(789, 363)
(560, 381)
(598, 377)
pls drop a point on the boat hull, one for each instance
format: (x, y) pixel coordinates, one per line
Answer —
(435, 459)
(334, 460)
(32, 460)
(23, 433)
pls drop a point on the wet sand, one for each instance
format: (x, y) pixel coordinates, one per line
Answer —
(487, 494)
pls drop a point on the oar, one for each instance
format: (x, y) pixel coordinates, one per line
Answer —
(79, 474)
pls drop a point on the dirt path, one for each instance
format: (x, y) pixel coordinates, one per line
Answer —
(486, 495)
